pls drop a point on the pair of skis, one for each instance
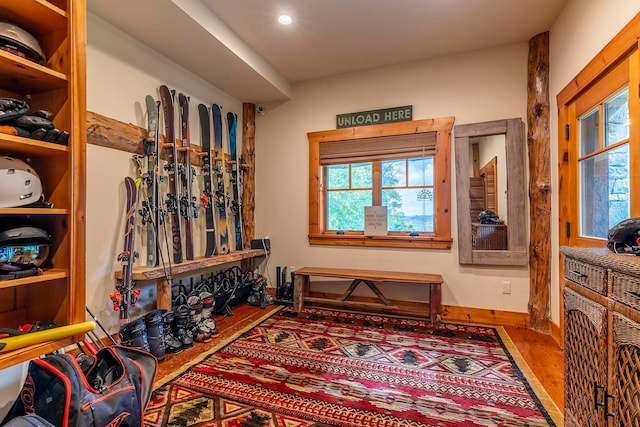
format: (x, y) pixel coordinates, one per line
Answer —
(222, 186)
(180, 199)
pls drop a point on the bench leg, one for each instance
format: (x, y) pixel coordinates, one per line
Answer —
(435, 304)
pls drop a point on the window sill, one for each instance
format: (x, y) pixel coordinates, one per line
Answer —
(411, 242)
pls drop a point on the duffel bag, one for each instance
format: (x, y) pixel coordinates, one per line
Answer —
(113, 390)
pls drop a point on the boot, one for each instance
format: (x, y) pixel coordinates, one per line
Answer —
(171, 343)
(200, 332)
(181, 325)
(134, 334)
(207, 312)
(155, 334)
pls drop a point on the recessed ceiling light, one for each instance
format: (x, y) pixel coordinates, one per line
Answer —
(285, 19)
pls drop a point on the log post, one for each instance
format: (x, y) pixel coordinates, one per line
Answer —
(538, 142)
(249, 172)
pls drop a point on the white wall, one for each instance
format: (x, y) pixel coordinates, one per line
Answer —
(579, 33)
(473, 87)
(120, 73)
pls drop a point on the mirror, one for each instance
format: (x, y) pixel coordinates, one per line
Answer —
(490, 162)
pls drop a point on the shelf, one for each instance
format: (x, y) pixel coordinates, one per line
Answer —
(48, 275)
(59, 294)
(20, 74)
(19, 146)
(24, 354)
(33, 211)
(25, 12)
(152, 273)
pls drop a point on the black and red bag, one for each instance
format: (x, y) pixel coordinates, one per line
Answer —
(113, 389)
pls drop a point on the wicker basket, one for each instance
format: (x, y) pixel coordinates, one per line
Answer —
(489, 236)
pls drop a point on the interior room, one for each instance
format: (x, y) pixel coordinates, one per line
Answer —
(471, 163)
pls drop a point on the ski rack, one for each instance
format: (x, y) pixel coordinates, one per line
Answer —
(200, 263)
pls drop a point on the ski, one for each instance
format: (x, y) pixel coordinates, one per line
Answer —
(188, 208)
(126, 295)
(221, 176)
(171, 167)
(151, 215)
(236, 178)
(207, 193)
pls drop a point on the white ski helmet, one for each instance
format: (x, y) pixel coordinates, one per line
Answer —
(19, 184)
(18, 41)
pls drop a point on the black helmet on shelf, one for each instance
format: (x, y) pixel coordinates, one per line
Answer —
(624, 237)
(16, 40)
(23, 244)
(489, 217)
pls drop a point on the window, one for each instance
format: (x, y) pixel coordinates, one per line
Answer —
(403, 166)
(603, 166)
(598, 147)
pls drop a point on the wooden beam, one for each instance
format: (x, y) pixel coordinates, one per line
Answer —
(111, 133)
(539, 148)
(249, 171)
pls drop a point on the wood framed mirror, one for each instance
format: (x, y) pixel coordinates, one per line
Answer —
(483, 184)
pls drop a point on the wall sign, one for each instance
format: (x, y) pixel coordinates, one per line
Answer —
(375, 117)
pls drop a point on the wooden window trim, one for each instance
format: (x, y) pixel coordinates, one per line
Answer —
(441, 239)
(622, 48)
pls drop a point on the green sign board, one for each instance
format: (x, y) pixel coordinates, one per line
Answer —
(375, 117)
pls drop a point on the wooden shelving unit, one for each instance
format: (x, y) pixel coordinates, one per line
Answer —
(58, 295)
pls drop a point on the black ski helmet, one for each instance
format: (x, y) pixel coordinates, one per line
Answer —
(489, 217)
(624, 237)
(23, 244)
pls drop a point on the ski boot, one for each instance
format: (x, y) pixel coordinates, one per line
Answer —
(134, 334)
(181, 325)
(155, 333)
(171, 343)
(200, 332)
(207, 311)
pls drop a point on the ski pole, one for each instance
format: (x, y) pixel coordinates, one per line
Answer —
(100, 325)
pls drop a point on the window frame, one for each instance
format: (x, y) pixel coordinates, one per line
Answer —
(615, 67)
(440, 239)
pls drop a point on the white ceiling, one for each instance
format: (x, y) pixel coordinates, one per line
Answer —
(238, 46)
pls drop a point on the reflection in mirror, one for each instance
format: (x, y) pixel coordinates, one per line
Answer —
(487, 193)
(489, 159)
(488, 178)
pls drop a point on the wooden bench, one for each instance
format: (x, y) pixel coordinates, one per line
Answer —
(301, 292)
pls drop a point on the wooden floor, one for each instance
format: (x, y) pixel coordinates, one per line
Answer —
(540, 351)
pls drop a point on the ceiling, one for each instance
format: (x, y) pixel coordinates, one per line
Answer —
(238, 46)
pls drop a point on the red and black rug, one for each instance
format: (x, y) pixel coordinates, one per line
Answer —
(333, 368)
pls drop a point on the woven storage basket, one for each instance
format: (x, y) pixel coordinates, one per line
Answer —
(625, 289)
(588, 275)
(489, 236)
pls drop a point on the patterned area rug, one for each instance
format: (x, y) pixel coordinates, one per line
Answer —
(333, 368)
